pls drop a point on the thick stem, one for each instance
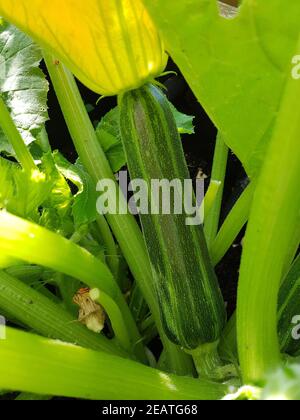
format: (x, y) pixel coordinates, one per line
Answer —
(72, 371)
(271, 226)
(95, 161)
(228, 344)
(207, 360)
(82, 131)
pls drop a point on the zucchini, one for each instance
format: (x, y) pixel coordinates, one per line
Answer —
(289, 311)
(191, 305)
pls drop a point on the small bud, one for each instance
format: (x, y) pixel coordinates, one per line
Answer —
(90, 313)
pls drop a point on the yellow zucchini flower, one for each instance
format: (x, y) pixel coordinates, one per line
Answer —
(110, 45)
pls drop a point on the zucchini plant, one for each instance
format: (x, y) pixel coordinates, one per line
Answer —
(146, 270)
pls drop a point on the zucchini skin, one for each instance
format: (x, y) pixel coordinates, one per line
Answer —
(289, 309)
(191, 305)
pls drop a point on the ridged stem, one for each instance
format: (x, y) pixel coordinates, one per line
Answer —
(271, 227)
(80, 373)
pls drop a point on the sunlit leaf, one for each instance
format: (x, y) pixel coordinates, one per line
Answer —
(22, 193)
(236, 67)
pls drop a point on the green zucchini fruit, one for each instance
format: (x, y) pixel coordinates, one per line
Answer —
(289, 311)
(191, 304)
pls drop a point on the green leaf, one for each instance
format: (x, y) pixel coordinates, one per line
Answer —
(184, 122)
(84, 209)
(22, 193)
(110, 123)
(108, 133)
(56, 214)
(23, 85)
(113, 149)
(236, 67)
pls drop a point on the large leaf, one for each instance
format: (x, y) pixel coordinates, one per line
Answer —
(22, 84)
(236, 67)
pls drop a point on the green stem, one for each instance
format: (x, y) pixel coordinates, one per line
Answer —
(210, 197)
(207, 360)
(148, 329)
(94, 159)
(31, 276)
(211, 222)
(27, 273)
(137, 304)
(8, 126)
(233, 224)
(81, 130)
(271, 226)
(123, 226)
(113, 255)
(32, 243)
(46, 317)
(111, 252)
(72, 371)
(287, 309)
(228, 344)
(29, 242)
